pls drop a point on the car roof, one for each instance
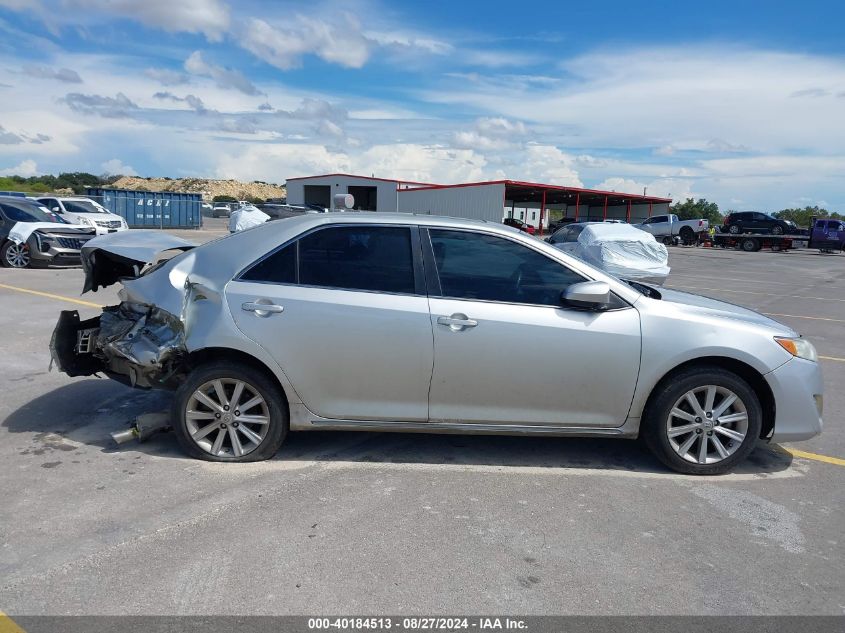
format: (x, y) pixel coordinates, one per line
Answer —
(28, 200)
(222, 258)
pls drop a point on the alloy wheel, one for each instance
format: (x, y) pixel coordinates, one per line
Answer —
(17, 255)
(707, 424)
(227, 417)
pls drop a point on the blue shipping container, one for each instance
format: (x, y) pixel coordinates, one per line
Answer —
(18, 194)
(152, 209)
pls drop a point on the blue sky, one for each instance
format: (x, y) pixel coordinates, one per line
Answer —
(739, 102)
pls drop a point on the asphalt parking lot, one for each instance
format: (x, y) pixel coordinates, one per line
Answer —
(412, 524)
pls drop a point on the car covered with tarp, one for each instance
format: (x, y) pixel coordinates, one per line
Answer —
(619, 249)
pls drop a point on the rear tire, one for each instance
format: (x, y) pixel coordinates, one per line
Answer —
(733, 229)
(687, 236)
(674, 429)
(750, 245)
(214, 420)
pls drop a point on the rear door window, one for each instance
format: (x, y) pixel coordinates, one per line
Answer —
(351, 257)
(374, 258)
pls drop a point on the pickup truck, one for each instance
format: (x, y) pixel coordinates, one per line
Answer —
(667, 227)
(828, 235)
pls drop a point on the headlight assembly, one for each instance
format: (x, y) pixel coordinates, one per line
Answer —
(798, 347)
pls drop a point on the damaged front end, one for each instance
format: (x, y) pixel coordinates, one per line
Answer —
(137, 344)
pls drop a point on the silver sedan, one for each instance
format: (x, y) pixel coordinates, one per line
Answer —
(395, 322)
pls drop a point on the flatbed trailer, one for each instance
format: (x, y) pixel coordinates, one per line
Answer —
(752, 242)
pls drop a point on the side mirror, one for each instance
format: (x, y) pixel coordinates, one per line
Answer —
(587, 295)
(57, 209)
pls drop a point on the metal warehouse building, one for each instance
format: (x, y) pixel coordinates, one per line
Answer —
(534, 203)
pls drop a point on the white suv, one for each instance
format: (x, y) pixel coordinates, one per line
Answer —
(85, 211)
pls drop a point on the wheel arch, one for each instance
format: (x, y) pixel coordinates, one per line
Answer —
(206, 355)
(745, 371)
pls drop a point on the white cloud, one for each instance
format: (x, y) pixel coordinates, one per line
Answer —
(674, 188)
(656, 97)
(25, 168)
(407, 161)
(406, 42)
(548, 164)
(209, 17)
(424, 163)
(499, 58)
(225, 78)
(278, 161)
(492, 133)
(284, 44)
(115, 167)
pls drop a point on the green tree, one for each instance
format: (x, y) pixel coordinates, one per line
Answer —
(691, 209)
(803, 217)
(222, 198)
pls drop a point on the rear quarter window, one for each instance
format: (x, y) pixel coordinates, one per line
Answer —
(278, 267)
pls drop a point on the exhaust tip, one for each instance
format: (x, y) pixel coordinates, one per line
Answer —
(122, 437)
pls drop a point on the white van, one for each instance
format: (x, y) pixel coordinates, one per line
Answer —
(85, 211)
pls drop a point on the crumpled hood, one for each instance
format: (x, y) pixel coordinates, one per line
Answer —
(713, 307)
(108, 258)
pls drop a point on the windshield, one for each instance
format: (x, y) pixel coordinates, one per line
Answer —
(28, 212)
(82, 206)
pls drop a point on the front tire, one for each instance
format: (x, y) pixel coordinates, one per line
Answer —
(15, 255)
(703, 421)
(777, 230)
(229, 412)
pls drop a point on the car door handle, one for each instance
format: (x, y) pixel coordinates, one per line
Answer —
(262, 309)
(457, 322)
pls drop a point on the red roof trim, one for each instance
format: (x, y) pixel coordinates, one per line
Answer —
(520, 183)
(393, 180)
